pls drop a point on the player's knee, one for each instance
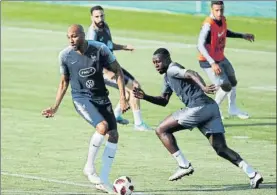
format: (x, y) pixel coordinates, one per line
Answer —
(102, 127)
(113, 136)
(233, 82)
(226, 87)
(160, 130)
(127, 95)
(220, 149)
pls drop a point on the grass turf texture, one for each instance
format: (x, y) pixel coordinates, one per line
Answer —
(57, 148)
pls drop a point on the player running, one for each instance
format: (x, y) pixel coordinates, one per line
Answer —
(81, 65)
(100, 31)
(211, 45)
(201, 111)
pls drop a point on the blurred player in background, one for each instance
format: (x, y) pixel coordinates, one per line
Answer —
(211, 45)
(201, 111)
(81, 65)
(99, 31)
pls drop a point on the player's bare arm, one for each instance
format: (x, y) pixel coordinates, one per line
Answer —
(123, 47)
(158, 100)
(64, 82)
(210, 89)
(116, 69)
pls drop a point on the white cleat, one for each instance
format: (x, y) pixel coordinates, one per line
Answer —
(107, 188)
(181, 172)
(236, 112)
(92, 177)
(142, 127)
(256, 180)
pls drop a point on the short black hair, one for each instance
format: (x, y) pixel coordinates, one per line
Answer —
(97, 7)
(216, 3)
(162, 51)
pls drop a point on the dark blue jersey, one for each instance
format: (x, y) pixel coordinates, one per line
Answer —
(187, 90)
(85, 71)
(102, 35)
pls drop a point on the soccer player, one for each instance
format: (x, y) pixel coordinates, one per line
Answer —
(81, 65)
(201, 111)
(211, 45)
(100, 31)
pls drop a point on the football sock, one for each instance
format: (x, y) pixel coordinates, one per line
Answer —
(107, 160)
(137, 117)
(180, 158)
(232, 98)
(248, 170)
(117, 111)
(95, 143)
(220, 96)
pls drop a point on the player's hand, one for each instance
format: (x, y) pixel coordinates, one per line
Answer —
(129, 48)
(249, 37)
(138, 93)
(124, 105)
(216, 68)
(136, 84)
(49, 112)
(210, 89)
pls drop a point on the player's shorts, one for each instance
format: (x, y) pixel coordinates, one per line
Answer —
(112, 82)
(206, 118)
(227, 71)
(95, 111)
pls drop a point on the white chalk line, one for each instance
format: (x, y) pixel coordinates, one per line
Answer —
(149, 43)
(56, 181)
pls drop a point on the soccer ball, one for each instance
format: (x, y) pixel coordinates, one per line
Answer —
(123, 186)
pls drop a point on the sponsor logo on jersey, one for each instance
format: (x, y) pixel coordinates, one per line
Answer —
(87, 72)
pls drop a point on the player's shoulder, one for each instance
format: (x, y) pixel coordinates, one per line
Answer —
(92, 28)
(174, 66)
(65, 52)
(96, 44)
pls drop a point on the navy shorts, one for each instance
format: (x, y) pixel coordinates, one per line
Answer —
(95, 111)
(206, 118)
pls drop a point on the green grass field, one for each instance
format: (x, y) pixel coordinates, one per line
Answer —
(46, 156)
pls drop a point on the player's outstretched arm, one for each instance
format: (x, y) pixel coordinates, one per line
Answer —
(123, 47)
(116, 69)
(246, 36)
(190, 74)
(64, 82)
(158, 100)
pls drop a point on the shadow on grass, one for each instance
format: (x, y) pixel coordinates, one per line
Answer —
(250, 125)
(211, 188)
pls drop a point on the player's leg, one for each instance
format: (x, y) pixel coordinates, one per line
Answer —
(90, 113)
(213, 129)
(233, 110)
(110, 147)
(165, 133)
(218, 142)
(110, 81)
(139, 124)
(224, 86)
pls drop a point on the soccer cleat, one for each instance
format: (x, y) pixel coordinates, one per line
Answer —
(238, 113)
(181, 172)
(256, 180)
(107, 188)
(142, 127)
(92, 177)
(122, 121)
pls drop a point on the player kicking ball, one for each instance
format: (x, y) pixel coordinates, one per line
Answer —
(201, 111)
